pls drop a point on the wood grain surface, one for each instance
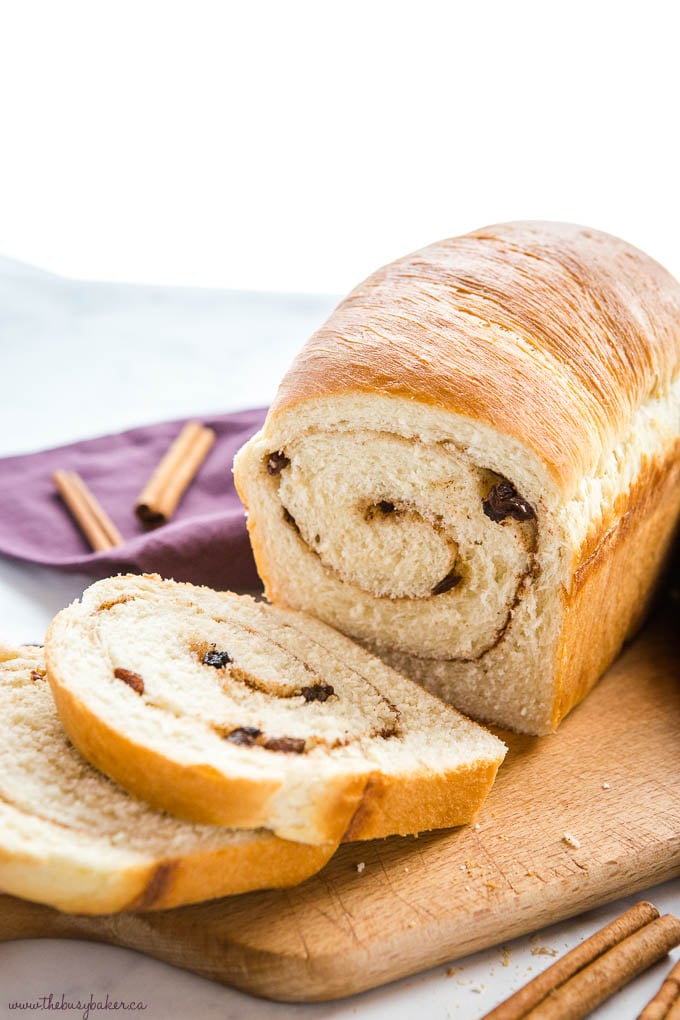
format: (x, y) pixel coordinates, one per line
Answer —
(609, 781)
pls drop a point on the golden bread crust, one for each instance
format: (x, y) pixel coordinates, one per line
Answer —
(451, 799)
(266, 862)
(550, 333)
(614, 579)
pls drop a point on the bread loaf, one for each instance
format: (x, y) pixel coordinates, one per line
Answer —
(473, 466)
(71, 838)
(223, 710)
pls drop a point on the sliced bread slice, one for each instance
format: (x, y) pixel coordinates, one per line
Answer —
(71, 838)
(228, 711)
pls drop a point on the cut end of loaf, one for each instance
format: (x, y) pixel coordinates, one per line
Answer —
(431, 552)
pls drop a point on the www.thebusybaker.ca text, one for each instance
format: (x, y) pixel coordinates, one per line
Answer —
(85, 1008)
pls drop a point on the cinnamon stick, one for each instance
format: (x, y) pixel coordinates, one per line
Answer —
(666, 1003)
(579, 996)
(674, 1011)
(179, 466)
(591, 972)
(88, 514)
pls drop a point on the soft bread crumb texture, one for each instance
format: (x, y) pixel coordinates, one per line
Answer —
(248, 742)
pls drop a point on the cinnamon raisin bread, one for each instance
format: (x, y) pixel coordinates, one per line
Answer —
(71, 838)
(473, 467)
(224, 710)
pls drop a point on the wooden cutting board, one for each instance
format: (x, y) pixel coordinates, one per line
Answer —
(574, 820)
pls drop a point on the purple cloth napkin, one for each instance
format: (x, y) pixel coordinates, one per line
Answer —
(205, 542)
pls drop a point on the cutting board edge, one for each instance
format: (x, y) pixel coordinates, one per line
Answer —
(300, 978)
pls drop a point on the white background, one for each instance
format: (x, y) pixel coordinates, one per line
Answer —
(299, 145)
(289, 146)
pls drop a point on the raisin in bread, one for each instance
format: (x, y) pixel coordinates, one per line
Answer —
(473, 467)
(224, 710)
(71, 838)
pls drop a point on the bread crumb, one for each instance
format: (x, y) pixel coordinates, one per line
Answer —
(571, 840)
(530, 874)
(505, 955)
(477, 826)
(406, 870)
(543, 951)
(360, 866)
(411, 924)
(490, 885)
(462, 867)
(606, 786)
(451, 971)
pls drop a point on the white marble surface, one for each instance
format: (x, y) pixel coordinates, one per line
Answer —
(81, 359)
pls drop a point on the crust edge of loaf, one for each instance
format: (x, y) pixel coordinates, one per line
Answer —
(72, 886)
(389, 807)
(614, 579)
(268, 862)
